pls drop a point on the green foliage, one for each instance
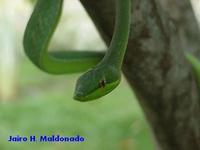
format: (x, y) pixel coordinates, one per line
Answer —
(45, 107)
(195, 63)
(32, 1)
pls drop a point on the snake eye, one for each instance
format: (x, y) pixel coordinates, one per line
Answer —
(102, 84)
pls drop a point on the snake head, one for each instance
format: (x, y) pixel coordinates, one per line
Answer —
(96, 83)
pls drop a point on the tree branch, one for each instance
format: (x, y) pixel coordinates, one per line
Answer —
(156, 68)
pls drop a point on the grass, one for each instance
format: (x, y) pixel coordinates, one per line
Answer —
(44, 106)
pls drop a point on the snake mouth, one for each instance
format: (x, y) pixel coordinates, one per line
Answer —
(97, 93)
(79, 96)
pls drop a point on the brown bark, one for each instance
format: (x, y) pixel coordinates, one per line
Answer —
(156, 68)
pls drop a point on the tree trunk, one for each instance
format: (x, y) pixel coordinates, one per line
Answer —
(156, 68)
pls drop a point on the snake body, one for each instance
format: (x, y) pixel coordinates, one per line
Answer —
(98, 81)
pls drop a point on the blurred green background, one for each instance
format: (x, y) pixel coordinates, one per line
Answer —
(36, 103)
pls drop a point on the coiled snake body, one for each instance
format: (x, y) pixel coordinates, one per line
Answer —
(100, 79)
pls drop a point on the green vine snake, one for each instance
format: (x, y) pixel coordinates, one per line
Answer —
(104, 72)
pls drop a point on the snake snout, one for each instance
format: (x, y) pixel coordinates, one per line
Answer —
(78, 95)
